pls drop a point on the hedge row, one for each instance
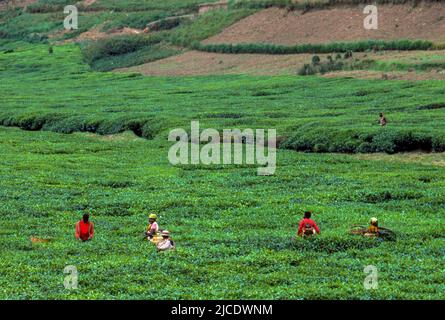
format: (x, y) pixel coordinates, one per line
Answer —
(321, 140)
(145, 128)
(359, 46)
(350, 141)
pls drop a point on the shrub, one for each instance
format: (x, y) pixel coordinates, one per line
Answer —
(351, 141)
(438, 143)
(348, 54)
(117, 46)
(307, 70)
(315, 60)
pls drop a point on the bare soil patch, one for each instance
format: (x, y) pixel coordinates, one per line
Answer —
(278, 26)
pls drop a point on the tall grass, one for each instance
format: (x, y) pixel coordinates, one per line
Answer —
(359, 46)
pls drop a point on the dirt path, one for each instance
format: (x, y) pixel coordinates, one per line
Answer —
(336, 24)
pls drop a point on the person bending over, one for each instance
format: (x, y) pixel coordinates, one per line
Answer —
(84, 228)
(307, 226)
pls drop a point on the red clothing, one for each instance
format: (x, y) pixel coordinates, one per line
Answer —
(84, 231)
(305, 222)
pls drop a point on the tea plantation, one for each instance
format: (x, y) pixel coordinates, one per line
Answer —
(97, 142)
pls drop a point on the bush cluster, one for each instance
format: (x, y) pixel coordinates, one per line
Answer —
(340, 63)
(93, 51)
(350, 141)
(145, 127)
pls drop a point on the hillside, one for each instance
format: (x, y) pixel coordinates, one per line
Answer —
(280, 26)
(85, 120)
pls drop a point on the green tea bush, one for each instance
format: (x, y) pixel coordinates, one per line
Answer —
(332, 244)
(137, 20)
(349, 141)
(331, 65)
(315, 60)
(140, 56)
(438, 143)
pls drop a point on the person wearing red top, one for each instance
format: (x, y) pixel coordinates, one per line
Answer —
(84, 228)
(307, 226)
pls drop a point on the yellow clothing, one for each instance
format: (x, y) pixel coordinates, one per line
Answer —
(373, 229)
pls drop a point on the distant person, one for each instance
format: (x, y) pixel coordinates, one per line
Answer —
(382, 120)
(153, 227)
(307, 226)
(166, 243)
(373, 230)
(84, 228)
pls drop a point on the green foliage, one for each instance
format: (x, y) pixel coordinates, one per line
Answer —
(315, 60)
(138, 20)
(359, 46)
(140, 56)
(343, 118)
(331, 65)
(115, 46)
(350, 141)
(230, 245)
(234, 232)
(170, 6)
(206, 25)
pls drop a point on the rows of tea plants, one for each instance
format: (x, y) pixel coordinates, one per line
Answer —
(234, 230)
(58, 92)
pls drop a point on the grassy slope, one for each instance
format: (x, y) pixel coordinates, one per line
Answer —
(43, 22)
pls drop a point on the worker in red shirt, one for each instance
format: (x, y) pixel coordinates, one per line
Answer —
(84, 228)
(307, 226)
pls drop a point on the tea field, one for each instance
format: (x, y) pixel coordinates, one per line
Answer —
(74, 141)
